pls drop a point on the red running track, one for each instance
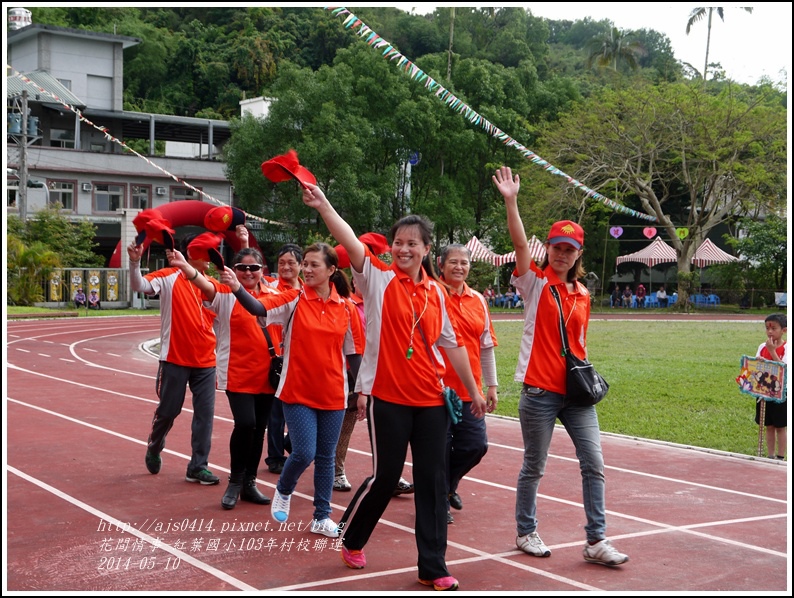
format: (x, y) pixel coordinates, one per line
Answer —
(83, 514)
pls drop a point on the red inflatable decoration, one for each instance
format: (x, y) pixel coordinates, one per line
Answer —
(188, 212)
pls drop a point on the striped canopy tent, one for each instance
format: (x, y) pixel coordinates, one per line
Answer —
(480, 252)
(536, 250)
(658, 252)
(708, 253)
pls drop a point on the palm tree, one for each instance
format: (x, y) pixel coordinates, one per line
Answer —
(698, 13)
(607, 49)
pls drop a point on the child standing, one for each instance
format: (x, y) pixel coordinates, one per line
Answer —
(775, 420)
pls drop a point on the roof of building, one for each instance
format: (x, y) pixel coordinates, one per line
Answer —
(41, 80)
(17, 35)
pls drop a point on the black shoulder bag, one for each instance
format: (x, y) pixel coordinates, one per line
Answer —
(583, 384)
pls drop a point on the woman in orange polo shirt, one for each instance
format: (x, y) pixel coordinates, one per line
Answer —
(542, 368)
(321, 330)
(243, 360)
(401, 371)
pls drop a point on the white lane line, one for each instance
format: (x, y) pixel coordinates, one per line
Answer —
(185, 557)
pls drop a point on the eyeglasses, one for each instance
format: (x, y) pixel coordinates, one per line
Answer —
(248, 267)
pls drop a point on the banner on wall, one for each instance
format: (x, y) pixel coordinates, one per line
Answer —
(93, 282)
(55, 285)
(75, 282)
(112, 285)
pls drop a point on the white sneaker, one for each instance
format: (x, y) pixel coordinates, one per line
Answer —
(604, 553)
(326, 527)
(532, 544)
(341, 483)
(279, 508)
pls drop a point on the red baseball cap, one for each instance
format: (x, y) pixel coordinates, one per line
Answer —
(376, 242)
(159, 229)
(223, 218)
(205, 248)
(566, 231)
(140, 223)
(285, 167)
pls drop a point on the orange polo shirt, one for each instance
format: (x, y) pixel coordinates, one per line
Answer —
(242, 351)
(473, 322)
(316, 340)
(187, 337)
(540, 360)
(393, 303)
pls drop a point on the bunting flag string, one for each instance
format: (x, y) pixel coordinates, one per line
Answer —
(372, 39)
(106, 132)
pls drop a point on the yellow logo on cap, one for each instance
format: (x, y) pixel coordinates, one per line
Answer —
(568, 229)
(226, 218)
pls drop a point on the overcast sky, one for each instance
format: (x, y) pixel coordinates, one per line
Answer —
(747, 45)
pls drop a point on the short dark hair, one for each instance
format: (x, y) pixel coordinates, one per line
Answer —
(296, 251)
(781, 319)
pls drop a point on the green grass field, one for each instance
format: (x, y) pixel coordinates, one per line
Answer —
(670, 381)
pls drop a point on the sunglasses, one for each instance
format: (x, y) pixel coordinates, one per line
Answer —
(248, 267)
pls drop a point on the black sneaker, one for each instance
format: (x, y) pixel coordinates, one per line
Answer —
(203, 477)
(153, 462)
(276, 468)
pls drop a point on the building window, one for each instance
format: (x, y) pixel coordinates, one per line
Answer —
(62, 194)
(61, 138)
(141, 197)
(11, 197)
(98, 147)
(108, 198)
(180, 193)
(67, 83)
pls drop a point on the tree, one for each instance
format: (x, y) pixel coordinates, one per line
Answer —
(764, 247)
(698, 13)
(612, 47)
(690, 158)
(26, 267)
(73, 243)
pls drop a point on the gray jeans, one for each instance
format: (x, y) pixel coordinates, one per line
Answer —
(538, 411)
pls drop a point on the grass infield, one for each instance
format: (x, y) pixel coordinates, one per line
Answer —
(669, 381)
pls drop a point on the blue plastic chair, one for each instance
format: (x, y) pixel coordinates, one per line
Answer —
(671, 299)
(651, 300)
(713, 300)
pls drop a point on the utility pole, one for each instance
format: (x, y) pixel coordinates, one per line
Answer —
(22, 193)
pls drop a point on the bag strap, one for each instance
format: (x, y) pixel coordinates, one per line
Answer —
(270, 346)
(556, 295)
(269, 340)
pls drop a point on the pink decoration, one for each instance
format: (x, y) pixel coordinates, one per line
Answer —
(649, 232)
(616, 231)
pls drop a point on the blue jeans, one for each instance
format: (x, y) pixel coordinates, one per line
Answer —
(538, 410)
(314, 434)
